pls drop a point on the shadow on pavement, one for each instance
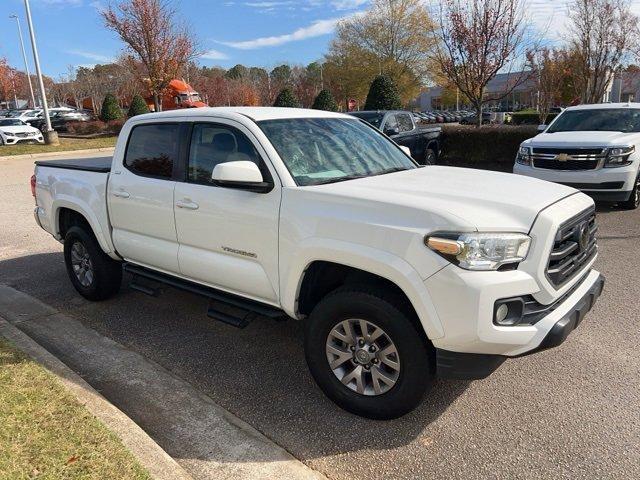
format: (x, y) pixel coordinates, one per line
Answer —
(258, 373)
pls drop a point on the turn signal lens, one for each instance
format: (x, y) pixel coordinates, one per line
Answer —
(445, 246)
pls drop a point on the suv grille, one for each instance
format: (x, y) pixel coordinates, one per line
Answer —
(568, 158)
(574, 246)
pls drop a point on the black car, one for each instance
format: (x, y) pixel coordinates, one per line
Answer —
(423, 141)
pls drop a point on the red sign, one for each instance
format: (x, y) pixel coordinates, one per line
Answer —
(351, 104)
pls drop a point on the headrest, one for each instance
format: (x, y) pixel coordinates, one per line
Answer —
(224, 142)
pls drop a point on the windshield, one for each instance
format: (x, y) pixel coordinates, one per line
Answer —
(374, 118)
(604, 120)
(10, 123)
(326, 150)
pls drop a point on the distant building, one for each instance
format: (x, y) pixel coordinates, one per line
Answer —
(625, 87)
(523, 95)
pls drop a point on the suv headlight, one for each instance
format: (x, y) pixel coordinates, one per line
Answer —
(619, 157)
(480, 251)
(524, 156)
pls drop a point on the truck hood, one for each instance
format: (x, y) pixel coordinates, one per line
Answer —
(582, 139)
(469, 198)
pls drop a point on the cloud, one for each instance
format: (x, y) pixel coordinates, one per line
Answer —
(348, 4)
(316, 29)
(214, 55)
(91, 56)
(268, 4)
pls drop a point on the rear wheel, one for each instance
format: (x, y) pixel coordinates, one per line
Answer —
(94, 274)
(634, 199)
(365, 353)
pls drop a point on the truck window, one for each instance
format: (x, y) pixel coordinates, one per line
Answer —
(404, 122)
(212, 144)
(152, 150)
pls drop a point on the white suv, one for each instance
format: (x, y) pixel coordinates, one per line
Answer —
(589, 147)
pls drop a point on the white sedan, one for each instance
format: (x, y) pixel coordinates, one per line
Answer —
(13, 131)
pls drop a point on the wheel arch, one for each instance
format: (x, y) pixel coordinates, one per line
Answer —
(67, 214)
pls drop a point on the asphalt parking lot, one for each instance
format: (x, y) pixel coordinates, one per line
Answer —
(571, 412)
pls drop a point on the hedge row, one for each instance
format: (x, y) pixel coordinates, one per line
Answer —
(490, 147)
(93, 127)
(530, 118)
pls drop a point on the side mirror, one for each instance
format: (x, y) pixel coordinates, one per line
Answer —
(542, 128)
(242, 175)
(406, 150)
(391, 131)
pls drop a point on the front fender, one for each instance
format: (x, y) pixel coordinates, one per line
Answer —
(378, 262)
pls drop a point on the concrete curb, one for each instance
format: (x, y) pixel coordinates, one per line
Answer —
(150, 455)
(57, 154)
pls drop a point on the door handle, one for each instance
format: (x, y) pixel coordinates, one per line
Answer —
(121, 194)
(188, 204)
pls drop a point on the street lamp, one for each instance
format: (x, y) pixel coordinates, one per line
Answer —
(50, 135)
(26, 64)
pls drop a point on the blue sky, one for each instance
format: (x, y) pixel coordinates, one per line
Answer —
(252, 32)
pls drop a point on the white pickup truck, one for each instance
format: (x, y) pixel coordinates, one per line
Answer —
(399, 273)
(594, 148)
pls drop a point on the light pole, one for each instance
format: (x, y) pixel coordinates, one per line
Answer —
(26, 64)
(50, 135)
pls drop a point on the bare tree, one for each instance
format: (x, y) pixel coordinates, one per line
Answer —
(479, 39)
(604, 32)
(149, 29)
(548, 69)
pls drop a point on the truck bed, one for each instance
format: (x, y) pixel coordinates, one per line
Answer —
(92, 164)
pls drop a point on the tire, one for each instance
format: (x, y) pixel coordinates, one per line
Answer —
(413, 375)
(430, 157)
(634, 198)
(105, 273)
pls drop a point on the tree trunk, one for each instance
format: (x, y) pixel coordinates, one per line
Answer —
(479, 120)
(156, 102)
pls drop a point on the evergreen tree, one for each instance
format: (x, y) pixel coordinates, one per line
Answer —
(383, 95)
(110, 108)
(286, 98)
(325, 101)
(137, 107)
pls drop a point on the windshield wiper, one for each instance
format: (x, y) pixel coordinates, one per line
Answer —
(342, 179)
(391, 170)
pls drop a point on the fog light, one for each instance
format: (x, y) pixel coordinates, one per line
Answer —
(501, 313)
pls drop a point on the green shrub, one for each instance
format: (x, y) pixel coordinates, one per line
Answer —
(490, 147)
(383, 95)
(286, 98)
(325, 101)
(110, 109)
(137, 107)
(530, 117)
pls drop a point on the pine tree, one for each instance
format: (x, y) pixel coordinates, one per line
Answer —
(286, 98)
(137, 107)
(383, 95)
(110, 109)
(325, 101)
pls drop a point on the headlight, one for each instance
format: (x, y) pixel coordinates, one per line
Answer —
(480, 251)
(9, 134)
(524, 156)
(619, 157)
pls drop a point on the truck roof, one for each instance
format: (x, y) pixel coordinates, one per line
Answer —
(604, 106)
(255, 113)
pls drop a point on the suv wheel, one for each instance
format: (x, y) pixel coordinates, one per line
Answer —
(634, 199)
(365, 353)
(94, 274)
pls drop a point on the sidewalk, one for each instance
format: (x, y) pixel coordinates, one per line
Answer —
(206, 440)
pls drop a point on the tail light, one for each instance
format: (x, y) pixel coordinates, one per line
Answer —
(33, 185)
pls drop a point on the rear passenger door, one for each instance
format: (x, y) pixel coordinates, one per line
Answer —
(228, 237)
(140, 196)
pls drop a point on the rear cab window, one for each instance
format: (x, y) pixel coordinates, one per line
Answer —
(153, 149)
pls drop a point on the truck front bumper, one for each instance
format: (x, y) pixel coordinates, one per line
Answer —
(471, 366)
(602, 184)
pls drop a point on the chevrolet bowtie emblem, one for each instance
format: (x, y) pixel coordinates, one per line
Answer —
(563, 157)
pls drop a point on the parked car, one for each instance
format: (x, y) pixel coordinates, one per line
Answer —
(423, 142)
(24, 115)
(13, 130)
(60, 119)
(594, 148)
(473, 119)
(400, 274)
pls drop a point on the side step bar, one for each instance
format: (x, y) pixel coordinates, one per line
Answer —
(238, 311)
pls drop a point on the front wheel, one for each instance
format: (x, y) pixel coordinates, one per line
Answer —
(94, 274)
(365, 353)
(634, 198)
(430, 157)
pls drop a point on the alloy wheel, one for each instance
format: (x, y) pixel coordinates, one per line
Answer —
(363, 357)
(81, 264)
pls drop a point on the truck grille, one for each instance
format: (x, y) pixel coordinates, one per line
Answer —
(574, 246)
(568, 158)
